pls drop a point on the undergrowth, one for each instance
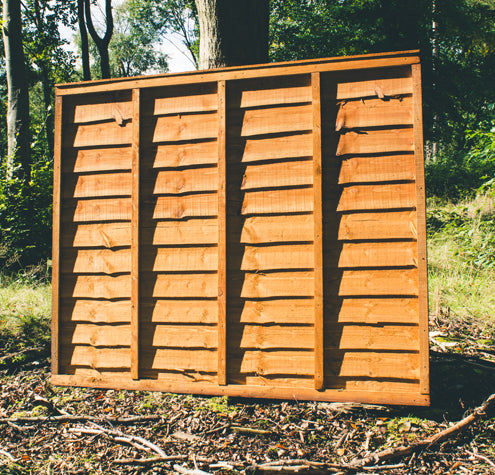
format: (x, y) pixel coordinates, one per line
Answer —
(461, 257)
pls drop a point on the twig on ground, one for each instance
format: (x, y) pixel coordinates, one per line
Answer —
(481, 457)
(118, 436)
(7, 454)
(188, 471)
(11, 356)
(69, 418)
(149, 461)
(250, 430)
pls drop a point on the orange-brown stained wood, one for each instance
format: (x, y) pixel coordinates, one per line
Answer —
(299, 185)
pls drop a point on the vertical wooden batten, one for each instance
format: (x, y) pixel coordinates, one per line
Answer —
(222, 234)
(421, 229)
(319, 379)
(57, 173)
(135, 224)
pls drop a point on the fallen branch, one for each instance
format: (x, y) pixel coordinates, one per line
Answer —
(69, 418)
(11, 356)
(8, 455)
(402, 451)
(249, 430)
(188, 471)
(149, 461)
(118, 436)
(481, 457)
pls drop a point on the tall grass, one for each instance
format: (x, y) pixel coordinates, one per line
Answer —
(461, 256)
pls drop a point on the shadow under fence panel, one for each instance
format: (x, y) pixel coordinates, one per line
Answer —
(255, 231)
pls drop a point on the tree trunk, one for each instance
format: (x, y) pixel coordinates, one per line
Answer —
(101, 43)
(18, 137)
(232, 33)
(83, 32)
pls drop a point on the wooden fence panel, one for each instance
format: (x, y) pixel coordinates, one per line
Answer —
(256, 231)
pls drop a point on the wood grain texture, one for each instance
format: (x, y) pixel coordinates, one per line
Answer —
(274, 148)
(172, 207)
(98, 335)
(185, 181)
(290, 256)
(97, 112)
(178, 336)
(183, 360)
(374, 113)
(376, 141)
(91, 186)
(421, 217)
(273, 120)
(180, 100)
(96, 261)
(97, 235)
(378, 254)
(98, 287)
(99, 160)
(274, 336)
(385, 225)
(114, 209)
(375, 310)
(372, 88)
(177, 259)
(297, 200)
(387, 196)
(194, 231)
(377, 169)
(271, 175)
(98, 134)
(96, 311)
(92, 357)
(182, 311)
(278, 284)
(182, 285)
(291, 311)
(184, 127)
(184, 155)
(299, 363)
(222, 233)
(56, 232)
(271, 229)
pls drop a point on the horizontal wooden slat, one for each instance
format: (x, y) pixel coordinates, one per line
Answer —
(387, 225)
(98, 160)
(391, 310)
(97, 235)
(272, 337)
(180, 360)
(185, 181)
(374, 87)
(179, 100)
(194, 231)
(98, 134)
(279, 284)
(91, 186)
(293, 256)
(180, 285)
(260, 229)
(372, 364)
(183, 155)
(103, 261)
(272, 175)
(119, 111)
(180, 259)
(275, 362)
(181, 311)
(273, 148)
(180, 336)
(257, 97)
(96, 311)
(280, 381)
(300, 311)
(384, 386)
(375, 113)
(89, 356)
(278, 201)
(177, 207)
(111, 209)
(272, 120)
(386, 196)
(376, 141)
(98, 335)
(375, 169)
(184, 127)
(377, 282)
(371, 337)
(378, 254)
(97, 286)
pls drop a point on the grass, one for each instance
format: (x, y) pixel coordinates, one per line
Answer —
(461, 257)
(25, 306)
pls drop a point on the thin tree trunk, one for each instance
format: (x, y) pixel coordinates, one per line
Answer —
(18, 136)
(101, 43)
(83, 32)
(232, 33)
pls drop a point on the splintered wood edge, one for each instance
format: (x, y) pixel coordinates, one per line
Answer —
(265, 392)
(421, 230)
(257, 71)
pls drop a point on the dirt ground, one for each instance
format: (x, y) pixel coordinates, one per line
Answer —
(97, 431)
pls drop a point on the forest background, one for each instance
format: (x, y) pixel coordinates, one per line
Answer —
(457, 43)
